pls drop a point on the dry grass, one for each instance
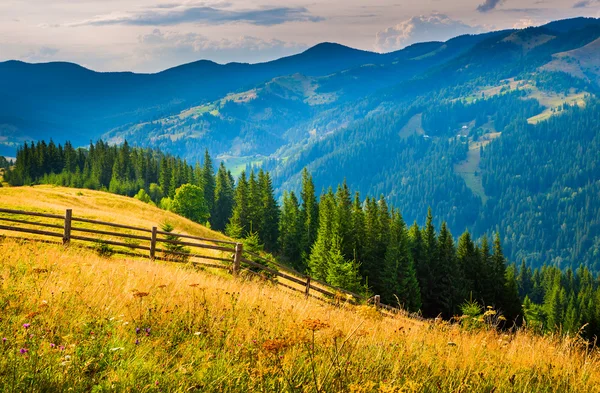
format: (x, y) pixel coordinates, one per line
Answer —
(98, 205)
(219, 334)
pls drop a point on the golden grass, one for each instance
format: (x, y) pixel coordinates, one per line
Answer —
(98, 205)
(220, 334)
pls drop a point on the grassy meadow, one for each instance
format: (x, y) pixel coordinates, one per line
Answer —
(73, 321)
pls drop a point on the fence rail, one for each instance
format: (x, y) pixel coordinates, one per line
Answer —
(232, 256)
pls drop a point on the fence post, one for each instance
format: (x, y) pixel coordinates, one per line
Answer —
(67, 233)
(377, 300)
(153, 243)
(237, 258)
(307, 290)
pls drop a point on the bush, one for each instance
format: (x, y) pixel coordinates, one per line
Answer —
(173, 251)
(189, 202)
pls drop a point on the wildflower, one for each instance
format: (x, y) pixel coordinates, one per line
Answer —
(275, 345)
(26, 325)
(137, 330)
(4, 339)
(67, 357)
(52, 345)
(147, 331)
(137, 342)
(23, 351)
(140, 294)
(314, 324)
(62, 348)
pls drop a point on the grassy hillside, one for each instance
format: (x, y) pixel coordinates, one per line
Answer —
(98, 205)
(73, 320)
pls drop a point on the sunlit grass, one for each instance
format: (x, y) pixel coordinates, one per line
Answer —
(97, 324)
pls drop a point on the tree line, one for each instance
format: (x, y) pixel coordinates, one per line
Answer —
(362, 245)
(356, 244)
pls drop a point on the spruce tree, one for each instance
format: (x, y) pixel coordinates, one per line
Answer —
(318, 263)
(512, 308)
(468, 263)
(447, 284)
(209, 182)
(341, 272)
(290, 231)
(358, 228)
(342, 225)
(498, 267)
(309, 215)
(238, 226)
(254, 207)
(371, 267)
(427, 267)
(269, 218)
(223, 201)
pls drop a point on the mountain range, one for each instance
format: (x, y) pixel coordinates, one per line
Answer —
(496, 132)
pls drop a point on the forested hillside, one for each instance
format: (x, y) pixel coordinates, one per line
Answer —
(497, 133)
(363, 245)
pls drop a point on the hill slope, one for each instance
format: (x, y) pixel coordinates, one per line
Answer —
(98, 205)
(74, 320)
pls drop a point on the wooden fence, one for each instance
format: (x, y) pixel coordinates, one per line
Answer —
(230, 255)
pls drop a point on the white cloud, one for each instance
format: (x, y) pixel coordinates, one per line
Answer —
(524, 23)
(41, 54)
(435, 27)
(171, 46)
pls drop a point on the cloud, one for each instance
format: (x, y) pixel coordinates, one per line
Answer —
(524, 23)
(41, 54)
(168, 48)
(489, 5)
(174, 14)
(586, 3)
(435, 27)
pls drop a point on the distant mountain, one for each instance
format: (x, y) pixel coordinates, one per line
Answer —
(497, 131)
(47, 98)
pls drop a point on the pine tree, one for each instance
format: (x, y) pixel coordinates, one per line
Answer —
(254, 204)
(342, 225)
(223, 201)
(555, 307)
(309, 215)
(427, 267)
(358, 228)
(372, 265)
(209, 182)
(341, 273)
(290, 231)
(525, 279)
(269, 219)
(318, 263)
(572, 322)
(447, 284)
(468, 263)
(486, 284)
(498, 266)
(390, 286)
(238, 226)
(512, 308)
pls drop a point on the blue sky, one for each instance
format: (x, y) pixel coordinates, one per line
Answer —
(151, 35)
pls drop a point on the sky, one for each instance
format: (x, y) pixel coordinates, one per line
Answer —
(153, 35)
